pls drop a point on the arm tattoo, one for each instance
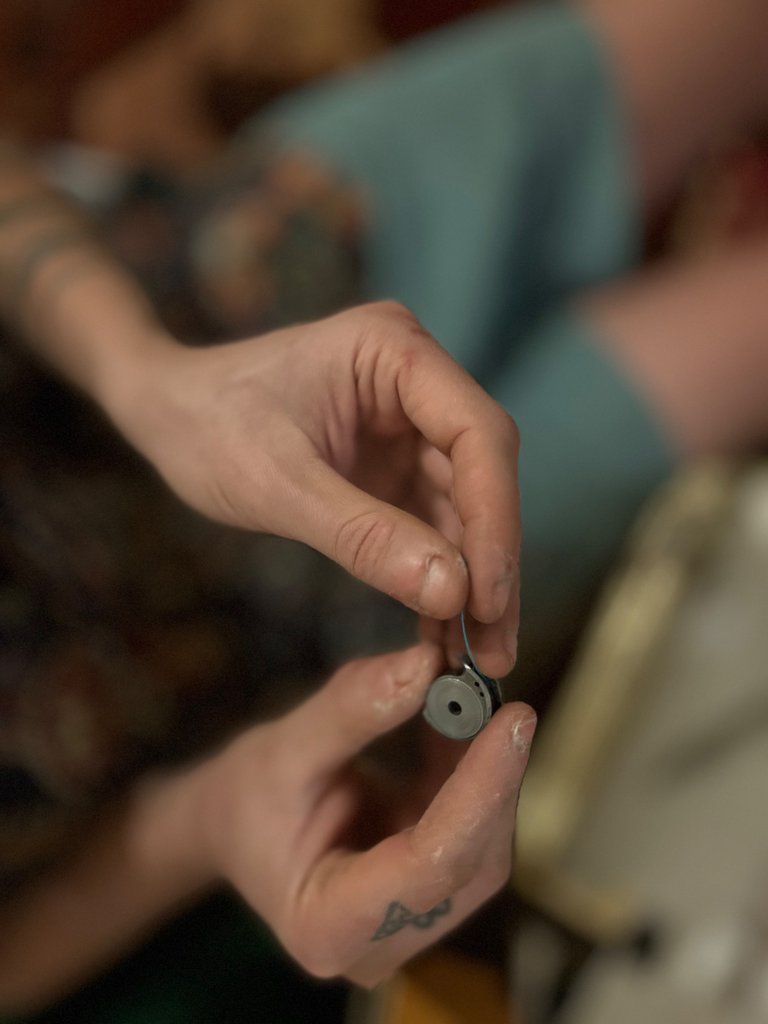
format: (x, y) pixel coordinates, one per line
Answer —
(398, 916)
(34, 256)
(38, 226)
(29, 206)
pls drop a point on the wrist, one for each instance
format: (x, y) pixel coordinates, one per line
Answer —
(126, 375)
(168, 830)
(92, 322)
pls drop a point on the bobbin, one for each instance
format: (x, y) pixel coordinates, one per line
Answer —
(460, 705)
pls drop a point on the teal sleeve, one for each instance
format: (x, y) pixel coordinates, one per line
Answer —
(590, 454)
(492, 158)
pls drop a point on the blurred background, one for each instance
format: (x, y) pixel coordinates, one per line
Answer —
(642, 885)
(81, 69)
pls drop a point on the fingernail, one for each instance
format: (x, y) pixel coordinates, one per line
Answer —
(522, 734)
(510, 643)
(501, 592)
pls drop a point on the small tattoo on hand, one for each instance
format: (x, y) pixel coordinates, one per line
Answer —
(398, 916)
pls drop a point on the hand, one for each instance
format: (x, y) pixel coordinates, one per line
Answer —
(353, 878)
(359, 436)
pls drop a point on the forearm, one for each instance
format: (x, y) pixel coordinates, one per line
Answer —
(144, 861)
(60, 289)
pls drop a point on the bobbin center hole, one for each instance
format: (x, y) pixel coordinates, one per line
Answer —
(454, 707)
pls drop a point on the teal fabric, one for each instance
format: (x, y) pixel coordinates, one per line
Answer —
(493, 158)
(589, 456)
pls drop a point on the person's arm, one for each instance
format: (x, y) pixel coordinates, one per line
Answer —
(357, 435)
(282, 815)
(61, 290)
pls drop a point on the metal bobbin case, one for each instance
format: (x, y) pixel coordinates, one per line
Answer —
(460, 706)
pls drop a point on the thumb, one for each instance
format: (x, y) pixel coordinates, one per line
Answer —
(471, 814)
(360, 702)
(382, 545)
(454, 859)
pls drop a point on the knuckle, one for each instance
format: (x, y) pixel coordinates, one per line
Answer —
(496, 875)
(390, 336)
(461, 873)
(454, 878)
(362, 542)
(380, 315)
(506, 427)
(513, 432)
(397, 324)
(391, 308)
(443, 876)
(376, 693)
(394, 693)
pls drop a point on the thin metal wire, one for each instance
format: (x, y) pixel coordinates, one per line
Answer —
(470, 655)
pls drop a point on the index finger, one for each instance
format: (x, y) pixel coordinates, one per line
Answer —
(480, 438)
(411, 887)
